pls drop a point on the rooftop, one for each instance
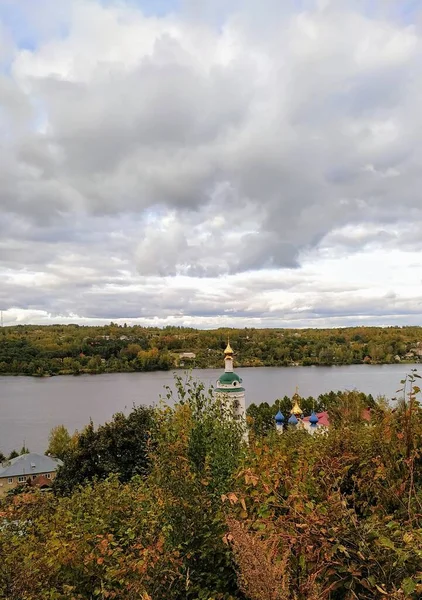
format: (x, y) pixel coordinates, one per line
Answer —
(229, 377)
(28, 464)
(323, 419)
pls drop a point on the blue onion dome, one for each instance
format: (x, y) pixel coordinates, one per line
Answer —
(313, 419)
(279, 418)
(293, 420)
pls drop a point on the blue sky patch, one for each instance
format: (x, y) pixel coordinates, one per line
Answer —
(14, 18)
(157, 8)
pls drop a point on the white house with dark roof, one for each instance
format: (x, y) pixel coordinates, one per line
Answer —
(27, 467)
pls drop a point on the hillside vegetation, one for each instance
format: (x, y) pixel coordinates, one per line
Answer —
(73, 349)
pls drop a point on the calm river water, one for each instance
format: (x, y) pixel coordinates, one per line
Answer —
(30, 407)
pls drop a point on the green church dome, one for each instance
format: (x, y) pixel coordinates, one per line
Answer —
(229, 378)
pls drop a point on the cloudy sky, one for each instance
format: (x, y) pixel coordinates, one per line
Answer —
(211, 162)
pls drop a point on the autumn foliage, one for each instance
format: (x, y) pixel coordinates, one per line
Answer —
(336, 516)
(72, 349)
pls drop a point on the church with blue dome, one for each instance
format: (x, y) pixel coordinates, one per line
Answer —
(296, 420)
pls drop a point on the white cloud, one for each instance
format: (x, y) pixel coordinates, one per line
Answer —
(159, 168)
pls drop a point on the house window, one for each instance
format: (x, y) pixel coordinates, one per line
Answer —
(21, 479)
(10, 480)
(33, 476)
(48, 475)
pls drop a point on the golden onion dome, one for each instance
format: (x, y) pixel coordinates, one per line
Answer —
(296, 410)
(228, 350)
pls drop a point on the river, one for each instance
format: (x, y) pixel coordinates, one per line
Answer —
(30, 407)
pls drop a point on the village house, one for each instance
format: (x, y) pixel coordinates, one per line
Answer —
(33, 469)
(185, 356)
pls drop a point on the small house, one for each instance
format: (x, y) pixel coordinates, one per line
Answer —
(27, 468)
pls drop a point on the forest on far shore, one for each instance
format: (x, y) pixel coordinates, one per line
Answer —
(73, 349)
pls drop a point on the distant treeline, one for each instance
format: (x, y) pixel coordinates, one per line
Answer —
(73, 349)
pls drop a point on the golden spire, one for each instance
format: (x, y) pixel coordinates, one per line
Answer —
(296, 410)
(228, 350)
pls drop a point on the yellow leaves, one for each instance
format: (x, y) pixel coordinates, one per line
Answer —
(386, 543)
(380, 472)
(251, 478)
(408, 538)
(233, 499)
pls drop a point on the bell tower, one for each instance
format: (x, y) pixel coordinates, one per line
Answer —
(229, 386)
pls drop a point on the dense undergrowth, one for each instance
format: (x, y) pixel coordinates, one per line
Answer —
(288, 517)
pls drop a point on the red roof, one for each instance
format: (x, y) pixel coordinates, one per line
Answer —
(40, 481)
(324, 419)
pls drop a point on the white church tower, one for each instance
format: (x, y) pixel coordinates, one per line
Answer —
(229, 386)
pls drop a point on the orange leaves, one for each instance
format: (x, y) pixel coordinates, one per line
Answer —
(231, 497)
(227, 538)
(336, 503)
(251, 478)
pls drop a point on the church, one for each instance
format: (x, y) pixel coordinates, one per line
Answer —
(230, 391)
(229, 386)
(315, 422)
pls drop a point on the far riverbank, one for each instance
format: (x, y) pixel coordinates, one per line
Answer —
(193, 367)
(43, 351)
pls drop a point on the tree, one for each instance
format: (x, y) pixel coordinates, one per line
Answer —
(131, 351)
(348, 408)
(121, 447)
(58, 442)
(198, 449)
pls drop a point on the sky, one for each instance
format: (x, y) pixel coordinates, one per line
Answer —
(211, 163)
